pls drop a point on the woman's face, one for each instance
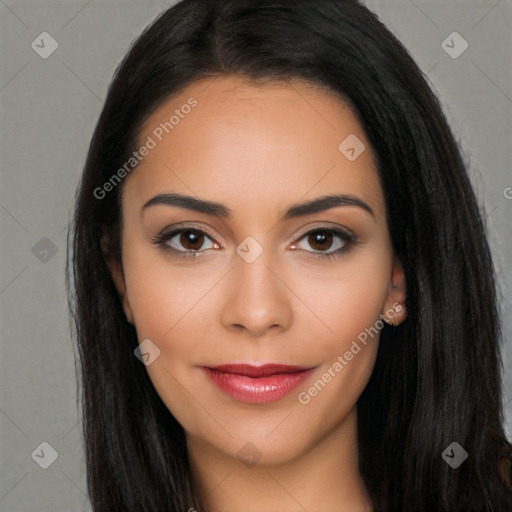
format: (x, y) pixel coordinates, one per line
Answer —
(250, 283)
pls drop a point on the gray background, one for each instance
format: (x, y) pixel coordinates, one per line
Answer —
(49, 109)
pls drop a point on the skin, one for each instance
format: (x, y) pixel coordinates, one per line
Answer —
(260, 149)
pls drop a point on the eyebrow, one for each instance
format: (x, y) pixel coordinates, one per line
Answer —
(297, 210)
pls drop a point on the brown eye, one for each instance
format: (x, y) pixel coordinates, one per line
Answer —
(320, 240)
(327, 243)
(186, 242)
(191, 239)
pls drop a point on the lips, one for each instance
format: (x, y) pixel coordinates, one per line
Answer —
(257, 384)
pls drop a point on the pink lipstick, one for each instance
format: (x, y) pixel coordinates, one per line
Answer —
(257, 384)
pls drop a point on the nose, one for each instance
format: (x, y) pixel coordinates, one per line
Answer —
(257, 298)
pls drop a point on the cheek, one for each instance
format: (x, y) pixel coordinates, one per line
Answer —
(168, 304)
(162, 292)
(350, 305)
(347, 299)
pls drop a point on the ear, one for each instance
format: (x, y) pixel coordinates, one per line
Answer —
(116, 270)
(394, 307)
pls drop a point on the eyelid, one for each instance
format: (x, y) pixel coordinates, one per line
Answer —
(335, 228)
(183, 227)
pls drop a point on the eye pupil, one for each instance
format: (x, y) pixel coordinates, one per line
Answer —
(191, 237)
(320, 238)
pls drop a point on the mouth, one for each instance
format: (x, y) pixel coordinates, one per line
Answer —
(257, 384)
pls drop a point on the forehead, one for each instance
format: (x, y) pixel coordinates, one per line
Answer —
(228, 138)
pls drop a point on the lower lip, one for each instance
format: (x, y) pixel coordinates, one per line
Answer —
(257, 391)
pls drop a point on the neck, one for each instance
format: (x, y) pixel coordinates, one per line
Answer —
(325, 477)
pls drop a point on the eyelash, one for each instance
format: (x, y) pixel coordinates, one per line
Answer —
(164, 236)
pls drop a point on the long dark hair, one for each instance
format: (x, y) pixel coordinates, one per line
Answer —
(437, 377)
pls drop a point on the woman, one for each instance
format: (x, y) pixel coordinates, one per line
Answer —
(284, 294)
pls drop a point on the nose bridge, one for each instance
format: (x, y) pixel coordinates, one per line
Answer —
(256, 299)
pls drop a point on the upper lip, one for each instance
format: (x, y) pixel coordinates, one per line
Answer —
(254, 371)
